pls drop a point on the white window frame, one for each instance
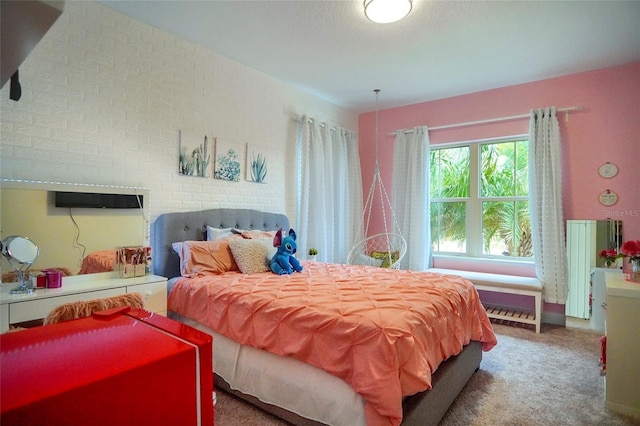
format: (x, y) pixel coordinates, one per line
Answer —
(474, 205)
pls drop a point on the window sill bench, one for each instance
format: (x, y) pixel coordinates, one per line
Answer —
(510, 284)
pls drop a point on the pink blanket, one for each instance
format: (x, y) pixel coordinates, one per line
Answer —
(382, 331)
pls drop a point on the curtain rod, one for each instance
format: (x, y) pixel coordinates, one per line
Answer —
(566, 111)
(312, 120)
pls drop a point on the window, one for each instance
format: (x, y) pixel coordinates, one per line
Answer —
(480, 199)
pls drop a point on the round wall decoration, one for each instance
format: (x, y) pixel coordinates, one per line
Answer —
(608, 170)
(608, 198)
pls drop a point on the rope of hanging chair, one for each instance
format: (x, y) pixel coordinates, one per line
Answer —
(368, 207)
(392, 243)
(397, 229)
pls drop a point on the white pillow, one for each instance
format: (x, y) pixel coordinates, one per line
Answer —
(177, 247)
(252, 256)
(220, 233)
(363, 259)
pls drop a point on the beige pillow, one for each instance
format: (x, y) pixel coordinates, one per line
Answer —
(252, 256)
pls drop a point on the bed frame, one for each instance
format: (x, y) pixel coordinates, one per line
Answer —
(425, 408)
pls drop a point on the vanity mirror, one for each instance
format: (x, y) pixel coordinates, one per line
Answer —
(585, 239)
(608, 235)
(67, 235)
(20, 253)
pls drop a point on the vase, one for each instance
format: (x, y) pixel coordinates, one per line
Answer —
(635, 269)
(312, 257)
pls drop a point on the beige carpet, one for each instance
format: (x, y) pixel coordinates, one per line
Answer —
(552, 378)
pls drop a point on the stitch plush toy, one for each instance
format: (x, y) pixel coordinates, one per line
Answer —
(283, 262)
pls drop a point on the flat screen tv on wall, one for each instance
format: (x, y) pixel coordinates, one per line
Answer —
(98, 201)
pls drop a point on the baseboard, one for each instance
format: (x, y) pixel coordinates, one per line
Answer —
(553, 318)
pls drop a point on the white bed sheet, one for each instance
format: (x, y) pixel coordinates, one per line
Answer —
(289, 383)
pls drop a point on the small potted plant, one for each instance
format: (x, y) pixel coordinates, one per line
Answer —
(313, 253)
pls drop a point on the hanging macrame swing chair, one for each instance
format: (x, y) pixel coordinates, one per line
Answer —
(387, 249)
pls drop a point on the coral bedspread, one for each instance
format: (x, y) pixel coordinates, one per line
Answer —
(98, 261)
(382, 331)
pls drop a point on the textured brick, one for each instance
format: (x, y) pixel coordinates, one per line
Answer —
(104, 98)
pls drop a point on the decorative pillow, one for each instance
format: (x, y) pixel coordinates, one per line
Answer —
(388, 258)
(252, 256)
(177, 247)
(199, 258)
(363, 259)
(220, 233)
(258, 234)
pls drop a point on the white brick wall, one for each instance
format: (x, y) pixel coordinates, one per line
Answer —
(103, 99)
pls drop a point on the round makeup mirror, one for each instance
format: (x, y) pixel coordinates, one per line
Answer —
(20, 252)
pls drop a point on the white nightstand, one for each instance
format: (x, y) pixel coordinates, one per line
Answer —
(17, 308)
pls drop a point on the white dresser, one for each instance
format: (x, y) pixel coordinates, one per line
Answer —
(622, 381)
(20, 308)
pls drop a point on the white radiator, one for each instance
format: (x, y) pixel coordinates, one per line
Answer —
(581, 253)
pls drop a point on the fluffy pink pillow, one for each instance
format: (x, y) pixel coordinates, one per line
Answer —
(199, 258)
(258, 234)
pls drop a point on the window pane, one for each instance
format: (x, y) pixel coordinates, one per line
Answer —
(504, 169)
(450, 173)
(506, 229)
(522, 168)
(448, 227)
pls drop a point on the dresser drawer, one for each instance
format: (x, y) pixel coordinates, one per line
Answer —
(40, 308)
(4, 318)
(154, 295)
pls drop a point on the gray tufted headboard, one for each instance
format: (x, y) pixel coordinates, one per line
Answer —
(169, 228)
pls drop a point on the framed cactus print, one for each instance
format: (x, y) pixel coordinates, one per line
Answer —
(227, 163)
(194, 153)
(257, 163)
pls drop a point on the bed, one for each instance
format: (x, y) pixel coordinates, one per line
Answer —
(305, 383)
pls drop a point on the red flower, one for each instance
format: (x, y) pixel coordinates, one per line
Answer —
(631, 249)
(609, 254)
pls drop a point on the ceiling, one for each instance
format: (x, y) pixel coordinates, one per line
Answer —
(442, 49)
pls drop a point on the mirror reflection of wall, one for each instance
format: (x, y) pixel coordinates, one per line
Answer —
(608, 236)
(67, 235)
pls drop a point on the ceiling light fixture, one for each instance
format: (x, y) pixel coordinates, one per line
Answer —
(386, 11)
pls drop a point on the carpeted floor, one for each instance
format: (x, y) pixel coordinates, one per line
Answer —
(552, 378)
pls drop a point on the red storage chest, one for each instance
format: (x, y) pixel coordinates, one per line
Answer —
(119, 367)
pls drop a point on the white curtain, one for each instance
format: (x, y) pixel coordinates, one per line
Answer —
(411, 196)
(545, 203)
(329, 190)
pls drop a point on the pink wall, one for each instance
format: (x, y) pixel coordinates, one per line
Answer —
(608, 129)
